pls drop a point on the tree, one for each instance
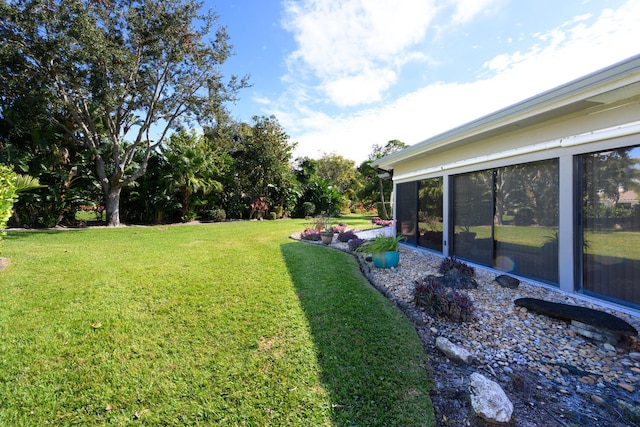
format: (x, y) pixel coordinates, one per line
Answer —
(193, 168)
(374, 188)
(116, 75)
(318, 196)
(263, 156)
(341, 172)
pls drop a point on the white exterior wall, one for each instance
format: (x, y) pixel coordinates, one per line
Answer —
(597, 129)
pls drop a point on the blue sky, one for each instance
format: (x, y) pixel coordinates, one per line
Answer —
(342, 75)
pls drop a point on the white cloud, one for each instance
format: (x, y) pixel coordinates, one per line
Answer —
(467, 10)
(574, 49)
(363, 88)
(355, 41)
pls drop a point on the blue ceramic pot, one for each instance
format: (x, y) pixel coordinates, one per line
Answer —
(386, 259)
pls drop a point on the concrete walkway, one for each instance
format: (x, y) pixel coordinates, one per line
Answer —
(370, 234)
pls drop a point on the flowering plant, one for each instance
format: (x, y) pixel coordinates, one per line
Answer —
(259, 207)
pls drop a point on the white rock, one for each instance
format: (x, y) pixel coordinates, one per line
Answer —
(452, 351)
(488, 400)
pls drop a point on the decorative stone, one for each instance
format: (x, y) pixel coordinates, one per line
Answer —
(634, 356)
(607, 324)
(594, 333)
(507, 281)
(626, 387)
(456, 280)
(489, 401)
(453, 352)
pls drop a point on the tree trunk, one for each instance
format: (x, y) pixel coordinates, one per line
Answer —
(112, 206)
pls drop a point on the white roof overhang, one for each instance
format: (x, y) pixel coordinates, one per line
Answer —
(609, 85)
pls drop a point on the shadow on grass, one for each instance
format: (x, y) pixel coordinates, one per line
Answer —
(371, 358)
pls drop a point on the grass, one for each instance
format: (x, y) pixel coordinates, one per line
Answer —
(212, 324)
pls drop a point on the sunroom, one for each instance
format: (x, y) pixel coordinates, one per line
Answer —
(546, 189)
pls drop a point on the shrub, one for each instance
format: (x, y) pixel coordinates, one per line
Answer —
(381, 211)
(438, 300)
(430, 295)
(310, 234)
(355, 243)
(308, 208)
(340, 228)
(346, 235)
(450, 263)
(381, 243)
(217, 215)
(272, 215)
(7, 195)
(189, 216)
(376, 220)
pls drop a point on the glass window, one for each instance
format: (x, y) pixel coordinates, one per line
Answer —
(430, 213)
(610, 232)
(406, 211)
(473, 216)
(526, 220)
(507, 218)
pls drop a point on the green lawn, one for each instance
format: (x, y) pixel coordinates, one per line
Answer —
(225, 324)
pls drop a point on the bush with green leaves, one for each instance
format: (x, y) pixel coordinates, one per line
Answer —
(217, 215)
(308, 208)
(381, 243)
(8, 194)
(451, 263)
(441, 301)
(272, 216)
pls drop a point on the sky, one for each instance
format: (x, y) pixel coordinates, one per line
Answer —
(343, 75)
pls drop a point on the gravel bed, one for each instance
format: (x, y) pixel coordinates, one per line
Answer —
(553, 376)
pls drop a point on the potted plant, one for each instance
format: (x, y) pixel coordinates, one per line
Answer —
(383, 250)
(322, 225)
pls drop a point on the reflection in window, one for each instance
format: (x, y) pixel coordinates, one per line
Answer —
(507, 218)
(407, 215)
(526, 220)
(430, 213)
(611, 224)
(473, 216)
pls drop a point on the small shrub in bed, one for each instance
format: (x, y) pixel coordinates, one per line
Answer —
(439, 300)
(430, 294)
(450, 263)
(340, 228)
(310, 234)
(376, 220)
(347, 235)
(216, 215)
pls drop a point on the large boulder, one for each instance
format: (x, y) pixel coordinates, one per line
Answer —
(489, 401)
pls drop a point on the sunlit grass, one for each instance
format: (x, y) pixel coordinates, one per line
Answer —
(212, 324)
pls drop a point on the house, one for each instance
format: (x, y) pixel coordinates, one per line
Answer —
(521, 190)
